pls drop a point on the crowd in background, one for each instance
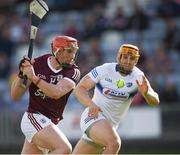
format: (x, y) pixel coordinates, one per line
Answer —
(154, 26)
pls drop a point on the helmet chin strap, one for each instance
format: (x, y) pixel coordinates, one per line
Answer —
(61, 64)
(123, 71)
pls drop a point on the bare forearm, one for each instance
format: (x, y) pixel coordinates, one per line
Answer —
(50, 90)
(152, 98)
(17, 91)
(83, 96)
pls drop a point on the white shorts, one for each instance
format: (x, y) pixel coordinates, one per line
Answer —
(32, 123)
(86, 122)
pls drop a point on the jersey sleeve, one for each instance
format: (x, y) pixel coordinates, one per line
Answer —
(97, 72)
(73, 75)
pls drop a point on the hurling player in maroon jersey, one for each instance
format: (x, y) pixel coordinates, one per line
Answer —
(51, 79)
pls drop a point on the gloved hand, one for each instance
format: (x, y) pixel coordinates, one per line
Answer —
(20, 74)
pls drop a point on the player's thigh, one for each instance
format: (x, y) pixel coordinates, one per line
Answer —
(51, 138)
(29, 148)
(83, 147)
(102, 132)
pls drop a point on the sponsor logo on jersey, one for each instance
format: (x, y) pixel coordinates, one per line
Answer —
(120, 83)
(40, 93)
(55, 79)
(42, 76)
(43, 120)
(115, 94)
(129, 84)
(108, 79)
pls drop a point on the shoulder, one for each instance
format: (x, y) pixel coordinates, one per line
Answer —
(42, 57)
(41, 61)
(72, 68)
(107, 66)
(72, 73)
(102, 70)
(137, 71)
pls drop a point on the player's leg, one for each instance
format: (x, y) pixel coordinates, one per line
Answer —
(53, 139)
(101, 132)
(87, 147)
(40, 131)
(29, 148)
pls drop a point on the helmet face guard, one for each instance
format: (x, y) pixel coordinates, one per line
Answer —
(127, 49)
(64, 43)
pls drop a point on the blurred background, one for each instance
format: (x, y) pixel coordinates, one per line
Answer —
(101, 26)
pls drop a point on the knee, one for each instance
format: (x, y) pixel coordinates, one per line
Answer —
(114, 144)
(63, 149)
(67, 149)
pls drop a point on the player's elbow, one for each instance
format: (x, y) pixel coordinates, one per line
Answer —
(154, 102)
(15, 97)
(157, 101)
(152, 98)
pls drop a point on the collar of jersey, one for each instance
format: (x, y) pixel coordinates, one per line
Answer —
(50, 66)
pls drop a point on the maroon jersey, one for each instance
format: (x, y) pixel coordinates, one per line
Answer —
(38, 101)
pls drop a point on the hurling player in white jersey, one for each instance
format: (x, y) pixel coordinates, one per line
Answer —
(115, 85)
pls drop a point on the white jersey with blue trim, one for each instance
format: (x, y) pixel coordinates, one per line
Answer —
(113, 92)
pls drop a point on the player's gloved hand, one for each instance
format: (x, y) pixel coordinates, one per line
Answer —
(20, 74)
(28, 69)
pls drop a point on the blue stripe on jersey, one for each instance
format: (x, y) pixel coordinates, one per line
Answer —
(131, 95)
(94, 73)
(99, 87)
(87, 119)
